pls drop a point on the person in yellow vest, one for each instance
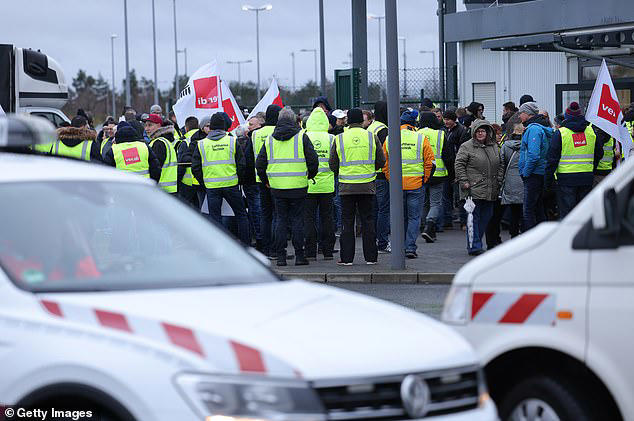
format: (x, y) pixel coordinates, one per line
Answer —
(161, 142)
(321, 192)
(574, 154)
(417, 163)
(189, 190)
(107, 136)
(77, 141)
(193, 133)
(218, 164)
(378, 127)
(130, 153)
(608, 161)
(356, 156)
(287, 163)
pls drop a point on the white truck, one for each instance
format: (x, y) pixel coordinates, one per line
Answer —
(551, 313)
(33, 83)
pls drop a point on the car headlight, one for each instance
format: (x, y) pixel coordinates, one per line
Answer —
(250, 398)
(456, 305)
(483, 391)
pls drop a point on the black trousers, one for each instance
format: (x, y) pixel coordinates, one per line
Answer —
(289, 211)
(516, 218)
(323, 202)
(266, 219)
(188, 195)
(493, 228)
(364, 204)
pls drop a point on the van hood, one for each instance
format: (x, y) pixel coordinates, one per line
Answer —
(282, 329)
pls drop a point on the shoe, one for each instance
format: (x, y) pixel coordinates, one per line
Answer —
(328, 257)
(281, 262)
(429, 234)
(335, 250)
(384, 251)
(370, 263)
(476, 253)
(411, 254)
(301, 261)
(340, 263)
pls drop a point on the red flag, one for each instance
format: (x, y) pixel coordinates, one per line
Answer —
(230, 106)
(272, 96)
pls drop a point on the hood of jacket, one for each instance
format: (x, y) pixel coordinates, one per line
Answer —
(380, 112)
(285, 130)
(73, 136)
(317, 121)
(513, 143)
(482, 124)
(165, 131)
(272, 111)
(216, 134)
(199, 135)
(322, 100)
(537, 119)
(576, 124)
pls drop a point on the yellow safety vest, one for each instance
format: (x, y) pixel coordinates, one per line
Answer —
(325, 179)
(608, 156)
(437, 142)
(413, 164)
(286, 167)
(258, 138)
(188, 171)
(357, 154)
(577, 151)
(133, 157)
(79, 151)
(169, 170)
(219, 162)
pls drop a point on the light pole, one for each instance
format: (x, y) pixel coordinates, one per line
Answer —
(379, 19)
(314, 51)
(184, 51)
(257, 11)
(114, 106)
(156, 98)
(293, 68)
(404, 65)
(239, 62)
(127, 55)
(433, 57)
(322, 51)
(176, 88)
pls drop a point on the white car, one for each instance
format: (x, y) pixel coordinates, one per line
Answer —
(119, 300)
(551, 312)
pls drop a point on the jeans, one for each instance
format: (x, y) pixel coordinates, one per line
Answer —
(233, 196)
(350, 204)
(323, 201)
(569, 196)
(289, 211)
(266, 219)
(412, 204)
(533, 200)
(382, 213)
(481, 216)
(434, 193)
(253, 202)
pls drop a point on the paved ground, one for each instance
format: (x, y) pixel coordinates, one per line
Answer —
(426, 299)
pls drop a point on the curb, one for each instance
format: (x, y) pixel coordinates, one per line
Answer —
(374, 278)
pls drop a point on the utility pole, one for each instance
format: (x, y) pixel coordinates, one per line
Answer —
(404, 65)
(114, 104)
(441, 47)
(156, 97)
(293, 67)
(184, 51)
(379, 19)
(257, 11)
(322, 51)
(176, 87)
(127, 55)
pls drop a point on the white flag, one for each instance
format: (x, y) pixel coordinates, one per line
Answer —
(202, 96)
(230, 106)
(605, 112)
(272, 96)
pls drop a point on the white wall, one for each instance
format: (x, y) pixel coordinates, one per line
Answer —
(514, 74)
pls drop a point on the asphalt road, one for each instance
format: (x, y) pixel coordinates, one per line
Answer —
(426, 299)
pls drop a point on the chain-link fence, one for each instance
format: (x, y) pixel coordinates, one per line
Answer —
(411, 81)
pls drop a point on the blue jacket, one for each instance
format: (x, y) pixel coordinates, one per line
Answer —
(534, 147)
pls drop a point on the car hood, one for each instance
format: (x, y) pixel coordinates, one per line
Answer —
(291, 328)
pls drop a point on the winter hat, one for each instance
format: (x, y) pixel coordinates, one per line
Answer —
(426, 102)
(573, 110)
(205, 121)
(408, 118)
(217, 122)
(125, 133)
(228, 122)
(136, 125)
(355, 116)
(526, 98)
(79, 121)
(529, 108)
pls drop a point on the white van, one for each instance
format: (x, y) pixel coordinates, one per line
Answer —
(551, 313)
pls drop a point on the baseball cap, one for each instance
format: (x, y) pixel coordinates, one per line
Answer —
(338, 113)
(154, 118)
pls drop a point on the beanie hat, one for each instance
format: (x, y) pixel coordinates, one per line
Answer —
(355, 116)
(136, 125)
(408, 118)
(526, 98)
(228, 122)
(529, 108)
(217, 122)
(573, 110)
(125, 133)
(205, 121)
(79, 121)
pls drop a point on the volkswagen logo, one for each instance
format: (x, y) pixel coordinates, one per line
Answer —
(415, 396)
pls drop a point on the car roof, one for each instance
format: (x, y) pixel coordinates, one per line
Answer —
(20, 168)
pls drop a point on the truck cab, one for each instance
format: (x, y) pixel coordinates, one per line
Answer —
(550, 313)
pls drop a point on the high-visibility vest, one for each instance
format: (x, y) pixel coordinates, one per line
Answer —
(412, 161)
(188, 178)
(577, 151)
(219, 162)
(325, 179)
(106, 145)
(258, 138)
(356, 150)
(188, 171)
(375, 127)
(133, 157)
(79, 151)
(608, 156)
(286, 167)
(169, 171)
(43, 147)
(437, 142)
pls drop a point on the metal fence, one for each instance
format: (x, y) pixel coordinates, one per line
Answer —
(411, 81)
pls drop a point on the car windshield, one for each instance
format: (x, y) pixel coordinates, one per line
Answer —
(92, 236)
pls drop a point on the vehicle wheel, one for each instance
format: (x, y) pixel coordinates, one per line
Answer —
(543, 398)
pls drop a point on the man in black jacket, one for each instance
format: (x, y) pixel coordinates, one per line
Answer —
(126, 133)
(289, 203)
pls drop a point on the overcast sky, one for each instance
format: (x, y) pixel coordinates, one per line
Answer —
(77, 34)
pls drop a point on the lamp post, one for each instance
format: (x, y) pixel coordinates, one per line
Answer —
(433, 57)
(293, 68)
(257, 11)
(127, 55)
(156, 97)
(114, 106)
(184, 52)
(239, 62)
(176, 87)
(322, 52)
(404, 65)
(314, 51)
(379, 19)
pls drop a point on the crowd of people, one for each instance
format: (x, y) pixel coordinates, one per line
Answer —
(323, 174)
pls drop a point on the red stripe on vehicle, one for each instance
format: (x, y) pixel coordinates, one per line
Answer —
(478, 300)
(523, 308)
(113, 320)
(249, 358)
(183, 337)
(52, 308)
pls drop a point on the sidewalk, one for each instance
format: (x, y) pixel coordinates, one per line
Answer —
(436, 263)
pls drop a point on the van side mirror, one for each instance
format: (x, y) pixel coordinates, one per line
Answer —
(611, 212)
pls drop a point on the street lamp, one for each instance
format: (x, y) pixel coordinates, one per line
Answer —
(156, 98)
(404, 65)
(379, 19)
(239, 62)
(433, 57)
(176, 88)
(257, 11)
(127, 55)
(293, 68)
(114, 106)
(314, 51)
(184, 52)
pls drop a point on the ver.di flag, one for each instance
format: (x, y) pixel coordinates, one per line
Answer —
(272, 96)
(230, 106)
(202, 96)
(605, 112)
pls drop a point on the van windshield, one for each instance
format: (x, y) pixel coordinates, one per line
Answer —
(93, 236)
